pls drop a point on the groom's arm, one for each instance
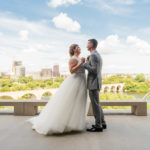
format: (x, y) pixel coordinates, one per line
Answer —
(93, 67)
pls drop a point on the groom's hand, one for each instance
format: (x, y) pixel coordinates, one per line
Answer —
(87, 59)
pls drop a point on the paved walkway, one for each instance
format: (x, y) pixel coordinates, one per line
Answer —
(125, 132)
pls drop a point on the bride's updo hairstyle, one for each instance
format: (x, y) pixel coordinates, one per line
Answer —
(71, 49)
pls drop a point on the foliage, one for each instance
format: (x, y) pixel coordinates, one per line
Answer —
(47, 95)
(27, 96)
(6, 97)
(132, 85)
(148, 106)
(136, 85)
(140, 78)
(28, 83)
(114, 79)
(116, 96)
(25, 80)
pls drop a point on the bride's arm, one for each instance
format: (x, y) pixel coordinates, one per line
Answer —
(74, 65)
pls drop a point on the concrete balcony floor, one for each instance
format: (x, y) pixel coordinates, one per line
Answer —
(125, 132)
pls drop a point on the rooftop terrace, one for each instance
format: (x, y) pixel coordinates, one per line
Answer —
(125, 132)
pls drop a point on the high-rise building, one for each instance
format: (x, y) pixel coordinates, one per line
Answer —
(16, 63)
(17, 69)
(56, 72)
(35, 75)
(4, 74)
(64, 74)
(46, 73)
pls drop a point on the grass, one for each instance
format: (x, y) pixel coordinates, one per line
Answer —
(116, 96)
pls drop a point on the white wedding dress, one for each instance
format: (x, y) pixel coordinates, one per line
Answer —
(67, 109)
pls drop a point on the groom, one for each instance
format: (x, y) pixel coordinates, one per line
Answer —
(94, 82)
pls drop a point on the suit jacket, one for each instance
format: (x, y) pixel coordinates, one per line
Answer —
(94, 67)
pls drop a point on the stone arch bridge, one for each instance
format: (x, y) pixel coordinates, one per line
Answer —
(112, 87)
(38, 93)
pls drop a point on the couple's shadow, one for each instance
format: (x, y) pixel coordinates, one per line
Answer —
(65, 134)
(88, 124)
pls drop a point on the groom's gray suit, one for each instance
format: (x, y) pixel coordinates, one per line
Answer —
(94, 83)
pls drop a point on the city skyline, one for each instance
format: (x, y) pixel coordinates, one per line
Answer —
(63, 71)
(45, 73)
(18, 69)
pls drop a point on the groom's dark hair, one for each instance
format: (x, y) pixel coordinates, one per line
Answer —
(94, 41)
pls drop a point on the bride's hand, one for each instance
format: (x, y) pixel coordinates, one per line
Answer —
(82, 60)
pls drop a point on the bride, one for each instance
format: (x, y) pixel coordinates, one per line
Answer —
(66, 111)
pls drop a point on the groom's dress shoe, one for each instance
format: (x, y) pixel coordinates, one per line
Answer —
(93, 129)
(104, 125)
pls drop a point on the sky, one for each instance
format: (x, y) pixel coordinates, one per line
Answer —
(40, 32)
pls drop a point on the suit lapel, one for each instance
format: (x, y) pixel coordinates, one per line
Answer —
(90, 58)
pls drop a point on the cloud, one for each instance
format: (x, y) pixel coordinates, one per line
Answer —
(116, 7)
(62, 21)
(111, 45)
(1, 34)
(113, 66)
(24, 35)
(139, 45)
(56, 3)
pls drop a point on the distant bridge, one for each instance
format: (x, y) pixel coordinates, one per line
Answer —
(37, 94)
(118, 87)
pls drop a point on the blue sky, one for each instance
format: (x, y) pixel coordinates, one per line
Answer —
(40, 32)
(93, 18)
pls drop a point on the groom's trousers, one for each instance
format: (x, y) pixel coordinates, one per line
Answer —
(97, 110)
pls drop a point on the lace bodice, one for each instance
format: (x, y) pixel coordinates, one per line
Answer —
(81, 69)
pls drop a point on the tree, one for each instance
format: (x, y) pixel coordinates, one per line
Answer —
(114, 79)
(23, 79)
(140, 78)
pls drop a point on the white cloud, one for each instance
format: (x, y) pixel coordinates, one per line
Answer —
(139, 45)
(111, 45)
(24, 35)
(62, 21)
(56, 3)
(129, 55)
(113, 66)
(1, 34)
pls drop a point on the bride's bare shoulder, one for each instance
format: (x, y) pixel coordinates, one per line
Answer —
(73, 61)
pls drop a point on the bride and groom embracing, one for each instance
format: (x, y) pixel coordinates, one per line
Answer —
(67, 109)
